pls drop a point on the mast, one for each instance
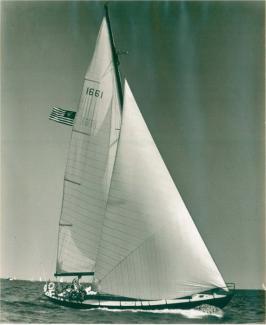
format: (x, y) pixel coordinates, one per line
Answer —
(115, 57)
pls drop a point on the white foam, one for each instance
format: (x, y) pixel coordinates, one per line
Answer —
(188, 313)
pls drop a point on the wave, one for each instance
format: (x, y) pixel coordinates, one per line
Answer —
(18, 303)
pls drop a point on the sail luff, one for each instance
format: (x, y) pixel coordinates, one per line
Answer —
(115, 57)
(58, 232)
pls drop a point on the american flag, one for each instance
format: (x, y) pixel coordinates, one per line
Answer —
(62, 116)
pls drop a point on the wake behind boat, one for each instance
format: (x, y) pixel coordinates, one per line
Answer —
(123, 222)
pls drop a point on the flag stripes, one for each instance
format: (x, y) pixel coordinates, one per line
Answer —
(62, 116)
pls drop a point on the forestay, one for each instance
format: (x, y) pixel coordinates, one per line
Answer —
(150, 247)
(90, 163)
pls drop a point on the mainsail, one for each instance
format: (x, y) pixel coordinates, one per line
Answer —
(90, 163)
(122, 215)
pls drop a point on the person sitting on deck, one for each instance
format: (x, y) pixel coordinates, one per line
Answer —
(89, 291)
(78, 292)
(75, 284)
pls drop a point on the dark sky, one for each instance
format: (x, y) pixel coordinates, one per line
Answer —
(197, 72)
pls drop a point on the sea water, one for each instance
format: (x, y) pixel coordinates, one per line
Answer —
(23, 302)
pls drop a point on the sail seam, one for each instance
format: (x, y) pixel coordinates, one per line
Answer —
(136, 248)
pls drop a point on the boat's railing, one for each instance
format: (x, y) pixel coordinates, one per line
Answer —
(231, 286)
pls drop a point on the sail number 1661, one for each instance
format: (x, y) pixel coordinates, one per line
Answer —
(94, 92)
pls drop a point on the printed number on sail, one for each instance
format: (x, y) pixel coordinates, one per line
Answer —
(94, 92)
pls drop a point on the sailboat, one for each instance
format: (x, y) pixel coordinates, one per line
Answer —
(123, 223)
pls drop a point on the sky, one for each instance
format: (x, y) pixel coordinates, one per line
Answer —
(197, 72)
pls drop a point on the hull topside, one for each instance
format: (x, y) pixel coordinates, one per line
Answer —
(117, 303)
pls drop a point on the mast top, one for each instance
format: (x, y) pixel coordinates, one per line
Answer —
(115, 56)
